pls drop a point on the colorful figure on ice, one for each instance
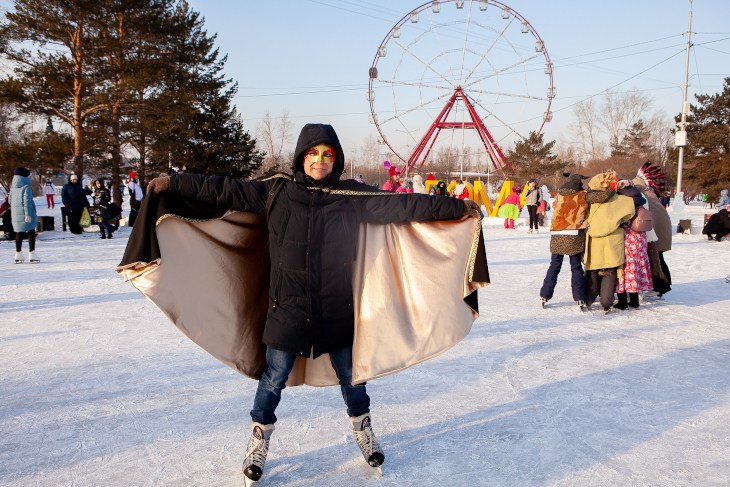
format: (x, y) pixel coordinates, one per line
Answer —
(650, 181)
(510, 209)
(636, 273)
(316, 284)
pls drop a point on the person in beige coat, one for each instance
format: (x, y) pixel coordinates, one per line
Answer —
(605, 243)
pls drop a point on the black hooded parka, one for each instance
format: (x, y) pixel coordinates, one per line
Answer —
(313, 241)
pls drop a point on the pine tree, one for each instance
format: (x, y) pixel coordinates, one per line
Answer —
(635, 143)
(707, 156)
(132, 35)
(59, 78)
(533, 158)
(186, 117)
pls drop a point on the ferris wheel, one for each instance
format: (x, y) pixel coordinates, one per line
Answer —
(453, 74)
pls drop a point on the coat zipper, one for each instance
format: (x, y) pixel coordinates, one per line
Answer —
(278, 286)
(309, 239)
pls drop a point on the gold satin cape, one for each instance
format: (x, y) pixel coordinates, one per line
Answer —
(410, 282)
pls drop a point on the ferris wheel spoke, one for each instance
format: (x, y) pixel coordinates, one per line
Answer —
(499, 36)
(398, 115)
(422, 62)
(443, 51)
(502, 70)
(499, 120)
(514, 95)
(466, 37)
(405, 83)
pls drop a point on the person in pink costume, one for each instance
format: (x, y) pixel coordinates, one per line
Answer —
(510, 209)
(392, 183)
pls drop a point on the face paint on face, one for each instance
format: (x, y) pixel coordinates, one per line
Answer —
(319, 161)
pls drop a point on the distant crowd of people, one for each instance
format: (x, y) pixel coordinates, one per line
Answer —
(610, 268)
(20, 217)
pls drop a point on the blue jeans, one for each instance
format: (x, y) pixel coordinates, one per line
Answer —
(105, 226)
(278, 367)
(577, 278)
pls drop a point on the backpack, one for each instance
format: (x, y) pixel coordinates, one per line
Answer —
(642, 220)
(273, 193)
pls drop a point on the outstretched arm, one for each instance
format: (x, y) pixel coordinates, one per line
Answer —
(238, 195)
(413, 207)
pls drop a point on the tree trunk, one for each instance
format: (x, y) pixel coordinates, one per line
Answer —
(141, 170)
(77, 96)
(116, 153)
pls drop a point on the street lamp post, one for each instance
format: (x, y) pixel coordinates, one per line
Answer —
(680, 139)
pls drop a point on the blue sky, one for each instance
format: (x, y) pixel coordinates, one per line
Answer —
(322, 49)
(311, 57)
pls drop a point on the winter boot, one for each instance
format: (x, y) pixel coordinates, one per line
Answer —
(366, 440)
(19, 259)
(33, 257)
(581, 304)
(543, 301)
(622, 303)
(634, 300)
(258, 447)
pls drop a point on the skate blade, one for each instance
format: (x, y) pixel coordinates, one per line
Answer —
(248, 482)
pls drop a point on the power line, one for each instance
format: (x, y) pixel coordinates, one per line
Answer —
(295, 93)
(617, 84)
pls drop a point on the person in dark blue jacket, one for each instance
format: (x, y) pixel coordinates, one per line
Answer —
(74, 200)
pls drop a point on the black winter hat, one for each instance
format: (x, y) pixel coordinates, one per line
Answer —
(21, 171)
(574, 181)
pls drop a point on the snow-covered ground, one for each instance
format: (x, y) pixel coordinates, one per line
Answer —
(98, 389)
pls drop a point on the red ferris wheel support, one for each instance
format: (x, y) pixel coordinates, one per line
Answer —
(493, 151)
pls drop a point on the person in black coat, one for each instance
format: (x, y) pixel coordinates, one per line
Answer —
(102, 199)
(313, 235)
(665, 199)
(74, 200)
(718, 226)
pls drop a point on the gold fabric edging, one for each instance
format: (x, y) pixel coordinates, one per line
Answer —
(409, 284)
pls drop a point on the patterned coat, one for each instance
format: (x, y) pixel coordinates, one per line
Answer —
(569, 213)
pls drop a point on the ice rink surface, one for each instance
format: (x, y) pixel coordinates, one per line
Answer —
(97, 388)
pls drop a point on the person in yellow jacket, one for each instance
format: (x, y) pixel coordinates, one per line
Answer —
(604, 253)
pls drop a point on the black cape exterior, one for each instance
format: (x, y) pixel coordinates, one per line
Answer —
(207, 270)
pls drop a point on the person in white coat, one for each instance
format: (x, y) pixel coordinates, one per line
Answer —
(50, 191)
(135, 197)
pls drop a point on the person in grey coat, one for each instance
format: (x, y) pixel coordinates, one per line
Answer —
(533, 199)
(24, 214)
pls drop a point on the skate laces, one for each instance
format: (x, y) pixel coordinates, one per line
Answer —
(258, 447)
(365, 439)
